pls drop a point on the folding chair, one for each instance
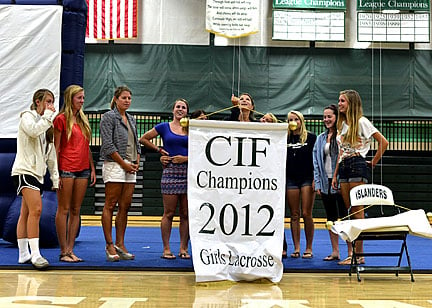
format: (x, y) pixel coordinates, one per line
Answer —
(370, 195)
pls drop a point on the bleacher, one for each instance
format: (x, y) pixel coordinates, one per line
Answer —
(406, 167)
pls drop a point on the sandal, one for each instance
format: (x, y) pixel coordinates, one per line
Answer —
(360, 260)
(295, 254)
(331, 258)
(307, 255)
(168, 256)
(184, 255)
(66, 257)
(346, 261)
(74, 257)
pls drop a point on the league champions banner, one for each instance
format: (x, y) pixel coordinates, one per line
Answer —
(236, 196)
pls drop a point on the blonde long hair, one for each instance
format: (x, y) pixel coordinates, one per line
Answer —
(80, 118)
(351, 116)
(303, 130)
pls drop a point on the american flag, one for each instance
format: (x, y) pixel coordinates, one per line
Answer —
(111, 19)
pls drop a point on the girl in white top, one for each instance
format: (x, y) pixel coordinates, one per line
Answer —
(355, 133)
(35, 152)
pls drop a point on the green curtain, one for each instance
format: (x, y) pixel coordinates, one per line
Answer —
(392, 83)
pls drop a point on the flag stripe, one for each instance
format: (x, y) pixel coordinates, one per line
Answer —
(135, 18)
(121, 31)
(126, 18)
(112, 19)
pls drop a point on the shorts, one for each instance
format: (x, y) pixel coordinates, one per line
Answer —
(174, 179)
(26, 181)
(83, 174)
(113, 172)
(353, 170)
(297, 183)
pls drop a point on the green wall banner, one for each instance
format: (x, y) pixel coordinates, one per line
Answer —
(310, 4)
(402, 5)
(392, 83)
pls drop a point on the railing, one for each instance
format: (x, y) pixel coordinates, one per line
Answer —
(145, 122)
(403, 135)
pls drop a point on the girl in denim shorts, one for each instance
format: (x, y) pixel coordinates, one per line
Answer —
(72, 141)
(355, 133)
(299, 177)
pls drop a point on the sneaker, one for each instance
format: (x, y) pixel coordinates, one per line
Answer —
(40, 262)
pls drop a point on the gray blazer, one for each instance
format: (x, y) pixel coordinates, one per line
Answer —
(114, 134)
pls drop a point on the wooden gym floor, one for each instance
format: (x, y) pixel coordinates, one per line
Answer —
(82, 288)
(175, 289)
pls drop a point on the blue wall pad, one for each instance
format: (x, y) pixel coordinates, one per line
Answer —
(76, 5)
(37, 2)
(72, 70)
(73, 31)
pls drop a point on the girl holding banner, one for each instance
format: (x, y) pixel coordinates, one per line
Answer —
(355, 133)
(299, 178)
(174, 176)
(245, 109)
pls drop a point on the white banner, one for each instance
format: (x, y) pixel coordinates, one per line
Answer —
(236, 196)
(232, 18)
(30, 58)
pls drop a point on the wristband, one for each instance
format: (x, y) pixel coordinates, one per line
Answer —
(159, 150)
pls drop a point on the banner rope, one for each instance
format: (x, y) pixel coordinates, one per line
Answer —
(236, 106)
(370, 205)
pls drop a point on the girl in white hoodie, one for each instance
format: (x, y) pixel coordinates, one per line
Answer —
(35, 152)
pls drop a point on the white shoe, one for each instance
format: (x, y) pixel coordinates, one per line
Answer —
(40, 262)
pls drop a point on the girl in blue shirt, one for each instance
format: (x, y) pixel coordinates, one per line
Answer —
(174, 176)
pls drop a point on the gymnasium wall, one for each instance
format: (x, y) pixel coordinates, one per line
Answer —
(173, 56)
(392, 83)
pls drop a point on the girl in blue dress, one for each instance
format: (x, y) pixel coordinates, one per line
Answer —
(174, 176)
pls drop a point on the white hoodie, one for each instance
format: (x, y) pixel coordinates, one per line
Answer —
(33, 155)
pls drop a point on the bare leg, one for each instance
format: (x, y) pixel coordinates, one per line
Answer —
(307, 200)
(23, 243)
(112, 195)
(124, 204)
(79, 190)
(28, 224)
(170, 204)
(184, 223)
(345, 190)
(32, 202)
(359, 215)
(293, 198)
(22, 220)
(334, 240)
(64, 196)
